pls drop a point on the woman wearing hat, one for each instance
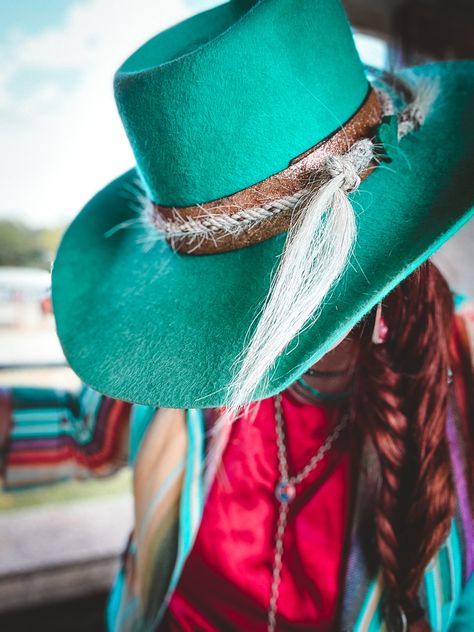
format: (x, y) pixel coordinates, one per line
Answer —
(272, 246)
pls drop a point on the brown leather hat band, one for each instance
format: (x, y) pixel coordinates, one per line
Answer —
(264, 209)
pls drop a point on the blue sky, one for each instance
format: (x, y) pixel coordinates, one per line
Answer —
(61, 139)
(31, 15)
(60, 135)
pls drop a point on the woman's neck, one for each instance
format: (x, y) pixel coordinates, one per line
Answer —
(333, 373)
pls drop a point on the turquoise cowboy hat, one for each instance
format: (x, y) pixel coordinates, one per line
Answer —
(214, 106)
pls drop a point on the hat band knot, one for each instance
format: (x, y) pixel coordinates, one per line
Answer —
(349, 166)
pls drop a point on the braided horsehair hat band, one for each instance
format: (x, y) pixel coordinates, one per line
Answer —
(265, 209)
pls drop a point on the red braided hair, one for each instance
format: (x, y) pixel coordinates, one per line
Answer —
(401, 401)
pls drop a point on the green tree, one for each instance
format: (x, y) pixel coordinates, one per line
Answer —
(23, 246)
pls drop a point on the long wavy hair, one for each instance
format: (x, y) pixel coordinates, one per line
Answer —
(400, 400)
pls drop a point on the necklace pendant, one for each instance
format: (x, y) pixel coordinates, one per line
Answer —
(285, 492)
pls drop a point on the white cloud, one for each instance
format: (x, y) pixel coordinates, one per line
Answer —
(58, 144)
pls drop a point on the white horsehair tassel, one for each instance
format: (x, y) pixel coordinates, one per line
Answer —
(316, 252)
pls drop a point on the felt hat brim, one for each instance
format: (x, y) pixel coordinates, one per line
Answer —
(147, 325)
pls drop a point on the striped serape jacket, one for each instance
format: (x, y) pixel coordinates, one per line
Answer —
(51, 435)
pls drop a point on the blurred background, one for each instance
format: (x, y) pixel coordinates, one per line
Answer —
(60, 141)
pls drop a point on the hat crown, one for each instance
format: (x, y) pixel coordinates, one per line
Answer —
(229, 97)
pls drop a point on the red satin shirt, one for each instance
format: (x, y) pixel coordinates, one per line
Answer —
(226, 580)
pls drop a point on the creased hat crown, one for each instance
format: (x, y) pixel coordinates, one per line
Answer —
(229, 97)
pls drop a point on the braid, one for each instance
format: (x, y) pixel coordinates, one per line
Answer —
(425, 366)
(380, 409)
(401, 400)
